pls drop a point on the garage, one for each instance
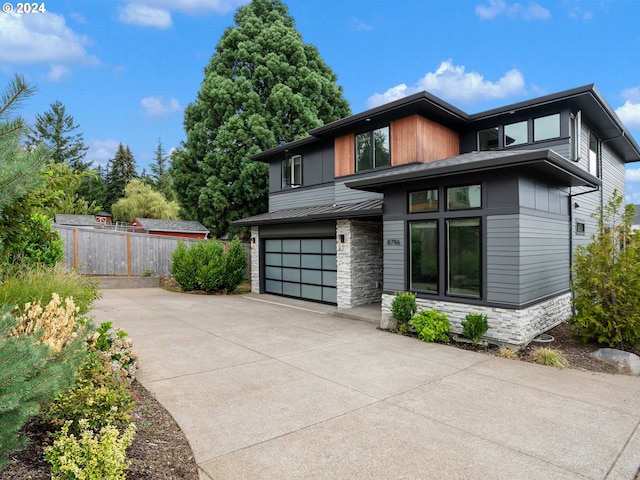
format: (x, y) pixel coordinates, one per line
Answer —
(301, 268)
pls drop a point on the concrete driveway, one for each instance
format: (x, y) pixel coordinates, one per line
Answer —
(268, 388)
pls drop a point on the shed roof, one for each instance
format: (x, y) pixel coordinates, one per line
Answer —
(75, 220)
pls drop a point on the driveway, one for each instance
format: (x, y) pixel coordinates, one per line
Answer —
(270, 388)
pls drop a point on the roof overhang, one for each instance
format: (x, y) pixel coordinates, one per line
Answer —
(546, 163)
(366, 209)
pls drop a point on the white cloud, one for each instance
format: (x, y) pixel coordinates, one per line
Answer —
(156, 107)
(533, 11)
(631, 94)
(454, 84)
(101, 151)
(144, 15)
(58, 73)
(632, 175)
(359, 25)
(629, 113)
(157, 13)
(42, 38)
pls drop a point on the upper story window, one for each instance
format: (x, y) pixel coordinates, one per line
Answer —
(545, 128)
(292, 171)
(372, 149)
(519, 133)
(593, 154)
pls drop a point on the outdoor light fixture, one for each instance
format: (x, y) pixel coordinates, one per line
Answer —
(341, 236)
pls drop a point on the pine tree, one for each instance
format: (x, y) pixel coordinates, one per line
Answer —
(160, 177)
(263, 87)
(121, 169)
(55, 128)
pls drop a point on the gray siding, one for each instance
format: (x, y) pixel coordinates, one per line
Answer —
(344, 195)
(393, 242)
(315, 229)
(301, 197)
(527, 257)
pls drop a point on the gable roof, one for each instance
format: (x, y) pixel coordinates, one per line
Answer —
(77, 220)
(543, 161)
(171, 225)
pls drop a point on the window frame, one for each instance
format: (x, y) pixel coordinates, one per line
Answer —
(436, 223)
(370, 137)
(289, 171)
(448, 273)
(427, 200)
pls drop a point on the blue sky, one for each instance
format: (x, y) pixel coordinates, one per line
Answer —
(125, 69)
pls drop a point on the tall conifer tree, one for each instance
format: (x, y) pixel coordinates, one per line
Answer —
(263, 87)
(121, 169)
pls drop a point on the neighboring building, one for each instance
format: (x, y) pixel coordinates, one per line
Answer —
(101, 219)
(172, 228)
(473, 213)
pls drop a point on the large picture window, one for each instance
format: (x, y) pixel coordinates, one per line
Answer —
(463, 257)
(372, 149)
(424, 256)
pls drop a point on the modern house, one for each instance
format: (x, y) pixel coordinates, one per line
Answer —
(472, 212)
(171, 228)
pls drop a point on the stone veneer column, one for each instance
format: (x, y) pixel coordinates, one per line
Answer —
(360, 262)
(255, 259)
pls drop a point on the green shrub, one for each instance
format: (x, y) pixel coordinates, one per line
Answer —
(550, 356)
(474, 326)
(235, 266)
(98, 397)
(206, 266)
(29, 284)
(403, 307)
(183, 267)
(606, 284)
(91, 456)
(116, 348)
(432, 326)
(31, 375)
(38, 243)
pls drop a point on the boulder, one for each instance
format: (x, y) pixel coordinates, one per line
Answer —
(625, 362)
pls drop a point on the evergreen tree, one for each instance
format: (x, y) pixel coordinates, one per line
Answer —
(92, 189)
(160, 177)
(121, 169)
(55, 128)
(263, 87)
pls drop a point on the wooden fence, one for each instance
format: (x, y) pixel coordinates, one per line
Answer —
(108, 252)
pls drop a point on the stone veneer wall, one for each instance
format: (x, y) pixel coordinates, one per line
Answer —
(507, 326)
(359, 262)
(255, 259)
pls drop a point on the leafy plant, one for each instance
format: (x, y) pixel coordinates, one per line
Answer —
(606, 284)
(183, 267)
(147, 272)
(98, 396)
(474, 326)
(403, 307)
(550, 356)
(92, 456)
(235, 265)
(37, 243)
(432, 326)
(116, 348)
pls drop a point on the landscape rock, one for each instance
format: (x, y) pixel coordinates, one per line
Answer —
(625, 362)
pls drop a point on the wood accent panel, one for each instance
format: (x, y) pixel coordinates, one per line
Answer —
(345, 163)
(417, 139)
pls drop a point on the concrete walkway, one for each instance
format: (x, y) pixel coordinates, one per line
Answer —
(267, 388)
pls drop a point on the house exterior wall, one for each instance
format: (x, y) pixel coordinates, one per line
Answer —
(359, 260)
(418, 139)
(255, 260)
(302, 197)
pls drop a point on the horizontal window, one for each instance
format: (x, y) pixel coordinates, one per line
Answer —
(516, 134)
(423, 201)
(488, 139)
(547, 127)
(465, 197)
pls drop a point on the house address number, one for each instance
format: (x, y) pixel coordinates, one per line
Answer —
(393, 242)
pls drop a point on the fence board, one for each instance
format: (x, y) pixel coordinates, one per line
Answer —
(109, 252)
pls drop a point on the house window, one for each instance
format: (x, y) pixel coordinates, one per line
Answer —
(424, 256)
(576, 134)
(292, 171)
(463, 257)
(423, 201)
(516, 134)
(545, 128)
(593, 154)
(488, 139)
(372, 149)
(461, 198)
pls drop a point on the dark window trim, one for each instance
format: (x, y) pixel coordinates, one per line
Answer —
(371, 143)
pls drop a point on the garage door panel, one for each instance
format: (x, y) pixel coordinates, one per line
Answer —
(302, 268)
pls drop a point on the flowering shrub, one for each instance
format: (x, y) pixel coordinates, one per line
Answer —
(91, 456)
(98, 397)
(56, 322)
(116, 347)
